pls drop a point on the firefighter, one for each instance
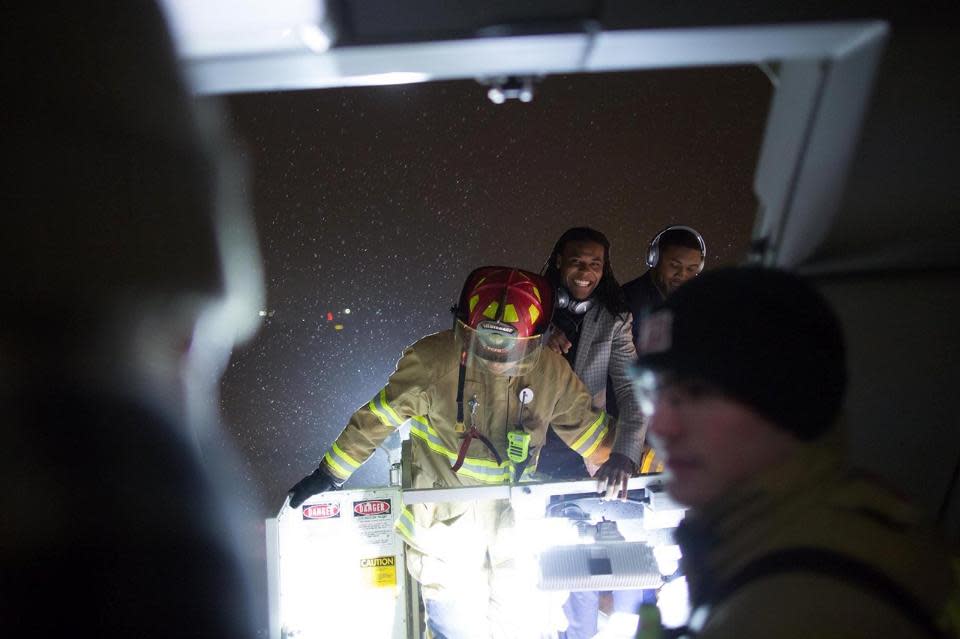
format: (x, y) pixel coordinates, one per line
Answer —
(479, 399)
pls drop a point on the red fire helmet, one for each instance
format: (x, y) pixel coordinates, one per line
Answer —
(501, 318)
(507, 296)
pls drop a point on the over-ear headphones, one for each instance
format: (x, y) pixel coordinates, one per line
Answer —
(577, 307)
(653, 253)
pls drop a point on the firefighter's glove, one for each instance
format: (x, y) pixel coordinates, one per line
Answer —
(316, 482)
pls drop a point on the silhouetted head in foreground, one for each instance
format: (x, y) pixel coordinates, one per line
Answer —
(129, 271)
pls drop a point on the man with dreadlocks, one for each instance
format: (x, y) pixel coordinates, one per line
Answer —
(592, 330)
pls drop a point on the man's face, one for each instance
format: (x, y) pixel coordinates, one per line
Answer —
(676, 265)
(709, 442)
(581, 267)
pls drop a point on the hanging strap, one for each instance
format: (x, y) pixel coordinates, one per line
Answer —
(465, 444)
(519, 469)
(460, 383)
(473, 432)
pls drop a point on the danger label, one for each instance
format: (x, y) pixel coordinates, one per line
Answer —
(321, 511)
(369, 507)
(382, 571)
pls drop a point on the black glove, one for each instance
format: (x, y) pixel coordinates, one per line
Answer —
(316, 482)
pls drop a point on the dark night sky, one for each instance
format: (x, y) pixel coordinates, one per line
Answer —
(381, 200)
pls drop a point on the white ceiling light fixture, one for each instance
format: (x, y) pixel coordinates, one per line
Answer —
(231, 28)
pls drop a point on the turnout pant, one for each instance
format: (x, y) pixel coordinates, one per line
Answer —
(475, 586)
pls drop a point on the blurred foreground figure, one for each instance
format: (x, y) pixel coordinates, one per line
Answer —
(742, 376)
(128, 272)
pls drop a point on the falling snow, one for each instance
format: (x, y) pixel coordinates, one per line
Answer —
(373, 204)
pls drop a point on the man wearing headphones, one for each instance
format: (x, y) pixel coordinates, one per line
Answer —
(676, 254)
(592, 330)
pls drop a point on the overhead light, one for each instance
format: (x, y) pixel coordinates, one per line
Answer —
(510, 88)
(222, 28)
(379, 79)
(316, 39)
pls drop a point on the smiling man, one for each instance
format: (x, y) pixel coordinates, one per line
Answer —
(741, 376)
(592, 329)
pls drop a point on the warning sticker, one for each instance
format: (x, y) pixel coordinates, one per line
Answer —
(321, 511)
(382, 571)
(371, 507)
(373, 519)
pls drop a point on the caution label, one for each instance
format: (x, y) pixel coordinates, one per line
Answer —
(382, 571)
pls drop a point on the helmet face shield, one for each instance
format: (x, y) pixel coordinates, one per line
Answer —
(497, 340)
(497, 347)
(501, 317)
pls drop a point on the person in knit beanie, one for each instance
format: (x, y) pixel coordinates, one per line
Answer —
(741, 375)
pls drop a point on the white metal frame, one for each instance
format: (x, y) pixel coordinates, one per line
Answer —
(508, 491)
(825, 77)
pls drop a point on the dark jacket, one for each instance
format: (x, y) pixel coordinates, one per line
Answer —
(814, 507)
(113, 525)
(642, 294)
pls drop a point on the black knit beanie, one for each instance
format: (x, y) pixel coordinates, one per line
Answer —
(763, 336)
